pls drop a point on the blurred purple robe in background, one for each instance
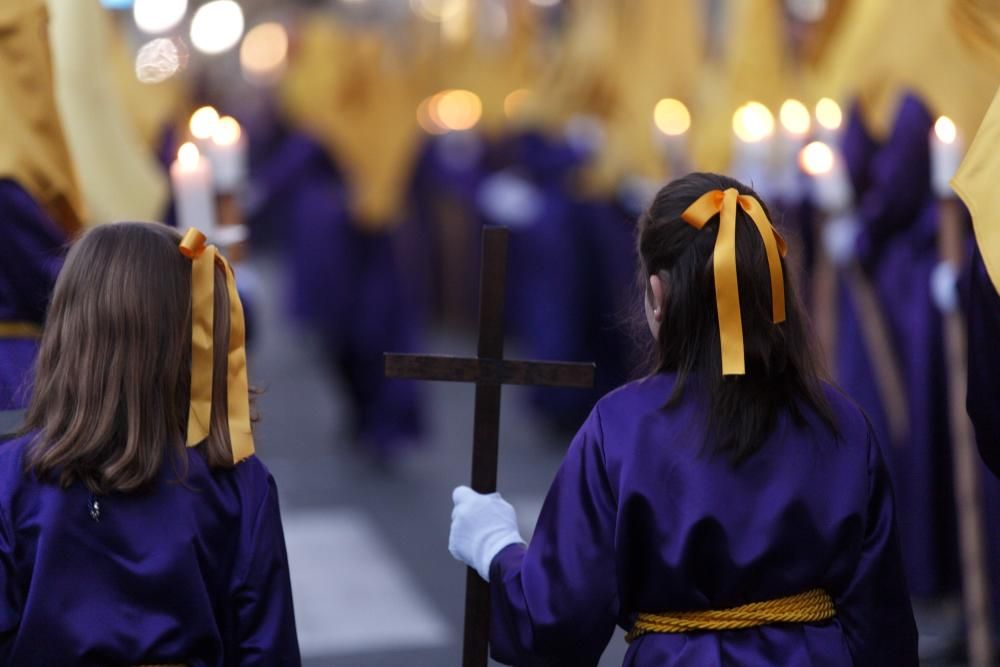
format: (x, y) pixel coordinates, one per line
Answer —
(983, 403)
(31, 255)
(192, 573)
(640, 519)
(897, 247)
(345, 283)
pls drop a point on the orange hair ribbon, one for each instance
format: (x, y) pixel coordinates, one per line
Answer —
(727, 294)
(203, 258)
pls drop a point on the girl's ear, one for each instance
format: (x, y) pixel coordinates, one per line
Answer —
(657, 292)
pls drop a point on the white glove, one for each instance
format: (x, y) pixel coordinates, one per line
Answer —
(944, 287)
(840, 237)
(481, 526)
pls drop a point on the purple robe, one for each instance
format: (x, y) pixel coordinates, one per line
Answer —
(983, 403)
(345, 283)
(897, 246)
(30, 258)
(192, 573)
(639, 519)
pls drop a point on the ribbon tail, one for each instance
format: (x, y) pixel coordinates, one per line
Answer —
(202, 346)
(727, 293)
(238, 388)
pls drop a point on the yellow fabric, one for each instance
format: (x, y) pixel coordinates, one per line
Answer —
(809, 607)
(355, 94)
(977, 23)
(727, 293)
(20, 330)
(33, 150)
(203, 261)
(913, 45)
(119, 175)
(977, 184)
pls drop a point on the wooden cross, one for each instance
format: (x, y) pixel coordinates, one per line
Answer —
(489, 371)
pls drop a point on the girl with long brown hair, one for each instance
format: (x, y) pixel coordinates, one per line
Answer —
(136, 526)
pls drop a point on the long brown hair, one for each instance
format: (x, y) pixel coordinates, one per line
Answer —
(782, 369)
(113, 375)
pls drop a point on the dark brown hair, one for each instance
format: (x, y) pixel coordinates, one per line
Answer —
(782, 371)
(113, 375)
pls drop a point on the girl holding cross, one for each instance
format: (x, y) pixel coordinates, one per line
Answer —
(731, 507)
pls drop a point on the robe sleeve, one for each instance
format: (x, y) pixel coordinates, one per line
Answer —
(265, 618)
(874, 608)
(10, 603)
(555, 602)
(983, 322)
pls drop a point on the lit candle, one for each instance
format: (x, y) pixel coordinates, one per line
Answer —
(829, 118)
(753, 146)
(795, 123)
(202, 126)
(673, 120)
(831, 187)
(946, 155)
(194, 199)
(227, 151)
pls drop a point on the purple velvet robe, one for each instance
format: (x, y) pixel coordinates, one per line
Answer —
(192, 572)
(983, 403)
(30, 258)
(897, 246)
(640, 519)
(345, 283)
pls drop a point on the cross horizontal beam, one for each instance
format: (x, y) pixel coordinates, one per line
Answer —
(489, 371)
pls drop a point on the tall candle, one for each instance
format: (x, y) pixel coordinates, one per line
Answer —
(831, 188)
(795, 122)
(946, 155)
(194, 196)
(227, 151)
(753, 146)
(672, 121)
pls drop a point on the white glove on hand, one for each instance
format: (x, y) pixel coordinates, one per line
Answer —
(944, 287)
(481, 526)
(840, 237)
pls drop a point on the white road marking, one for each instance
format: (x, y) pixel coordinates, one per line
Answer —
(351, 594)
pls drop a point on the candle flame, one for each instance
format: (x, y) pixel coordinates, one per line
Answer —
(794, 117)
(828, 114)
(188, 156)
(816, 159)
(945, 130)
(455, 109)
(753, 122)
(203, 122)
(672, 117)
(227, 132)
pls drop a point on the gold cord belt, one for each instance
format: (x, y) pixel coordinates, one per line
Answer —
(19, 330)
(809, 607)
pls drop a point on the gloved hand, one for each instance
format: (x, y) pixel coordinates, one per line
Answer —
(840, 237)
(944, 287)
(481, 526)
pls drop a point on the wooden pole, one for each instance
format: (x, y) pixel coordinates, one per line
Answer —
(965, 460)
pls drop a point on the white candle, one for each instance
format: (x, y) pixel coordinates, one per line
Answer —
(946, 155)
(795, 123)
(194, 196)
(672, 121)
(227, 151)
(753, 146)
(831, 187)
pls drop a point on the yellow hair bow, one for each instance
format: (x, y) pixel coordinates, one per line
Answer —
(727, 294)
(203, 260)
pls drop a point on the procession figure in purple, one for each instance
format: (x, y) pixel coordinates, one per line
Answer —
(730, 508)
(40, 202)
(136, 525)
